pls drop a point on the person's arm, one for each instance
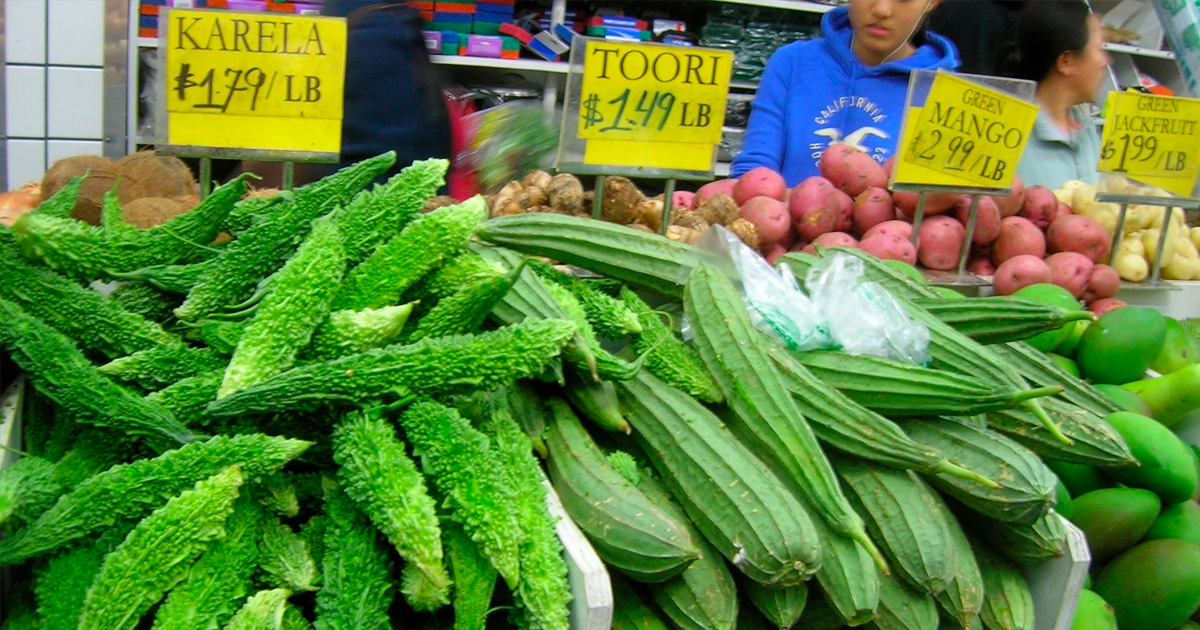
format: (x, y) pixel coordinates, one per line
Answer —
(765, 134)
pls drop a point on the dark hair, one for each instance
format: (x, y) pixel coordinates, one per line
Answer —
(1045, 30)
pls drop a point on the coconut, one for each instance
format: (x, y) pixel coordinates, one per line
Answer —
(158, 175)
(148, 212)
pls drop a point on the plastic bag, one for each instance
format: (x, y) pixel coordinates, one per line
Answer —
(838, 311)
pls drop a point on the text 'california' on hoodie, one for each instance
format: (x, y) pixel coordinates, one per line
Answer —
(817, 93)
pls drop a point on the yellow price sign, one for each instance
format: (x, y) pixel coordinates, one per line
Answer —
(255, 81)
(653, 105)
(964, 135)
(1152, 139)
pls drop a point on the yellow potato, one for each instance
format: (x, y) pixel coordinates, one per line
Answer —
(1080, 196)
(1103, 213)
(1185, 248)
(1150, 240)
(1194, 234)
(1180, 268)
(1131, 267)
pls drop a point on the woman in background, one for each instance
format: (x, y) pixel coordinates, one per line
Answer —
(1059, 44)
(846, 87)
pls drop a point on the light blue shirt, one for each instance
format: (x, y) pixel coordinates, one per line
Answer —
(1053, 157)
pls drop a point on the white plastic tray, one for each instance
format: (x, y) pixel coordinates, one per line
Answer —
(1056, 584)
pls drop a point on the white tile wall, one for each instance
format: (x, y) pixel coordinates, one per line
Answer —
(26, 161)
(76, 32)
(25, 31)
(59, 149)
(25, 101)
(75, 103)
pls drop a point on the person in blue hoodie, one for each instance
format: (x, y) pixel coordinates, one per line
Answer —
(847, 86)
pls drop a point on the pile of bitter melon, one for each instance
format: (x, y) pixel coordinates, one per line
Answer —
(332, 419)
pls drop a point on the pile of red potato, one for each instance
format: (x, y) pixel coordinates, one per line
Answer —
(1027, 237)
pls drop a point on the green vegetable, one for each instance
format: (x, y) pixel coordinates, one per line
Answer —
(64, 375)
(285, 320)
(375, 216)
(293, 619)
(28, 488)
(188, 398)
(145, 299)
(62, 584)
(263, 611)
(350, 332)
(382, 479)
(220, 579)
(163, 365)
(397, 264)
(158, 553)
(544, 594)
(357, 590)
(62, 203)
(442, 365)
(169, 278)
(465, 311)
(607, 365)
(87, 252)
(474, 579)
(133, 490)
(609, 316)
(457, 272)
(250, 210)
(264, 247)
(284, 557)
(95, 323)
(671, 360)
(467, 471)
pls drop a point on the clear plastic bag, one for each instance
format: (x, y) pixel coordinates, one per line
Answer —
(838, 311)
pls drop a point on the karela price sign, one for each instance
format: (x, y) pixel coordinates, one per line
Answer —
(964, 135)
(652, 105)
(263, 84)
(1152, 139)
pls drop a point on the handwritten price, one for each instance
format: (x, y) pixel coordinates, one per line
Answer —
(955, 153)
(241, 89)
(648, 104)
(1138, 148)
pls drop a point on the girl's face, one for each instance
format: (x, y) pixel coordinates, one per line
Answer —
(882, 28)
(1085, 68)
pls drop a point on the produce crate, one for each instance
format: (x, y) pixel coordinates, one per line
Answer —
(591, 609)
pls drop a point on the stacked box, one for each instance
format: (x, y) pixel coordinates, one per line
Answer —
(424, 8)
(510, 47)
(450, 41)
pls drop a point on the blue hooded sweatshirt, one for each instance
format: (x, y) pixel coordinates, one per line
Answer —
(817, 93)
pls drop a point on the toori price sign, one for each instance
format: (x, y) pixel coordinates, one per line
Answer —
(964, 135)
(252, 85)
(1154, 140)
(647, 106)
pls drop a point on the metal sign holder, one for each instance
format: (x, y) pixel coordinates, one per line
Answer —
(1166, 203)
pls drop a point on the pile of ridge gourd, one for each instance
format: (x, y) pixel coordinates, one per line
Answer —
(341, 417)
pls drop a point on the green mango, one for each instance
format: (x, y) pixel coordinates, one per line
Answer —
(1125, 399)
(1071, 345)
(1114, 519)
(1188, 625)
(1180, 521)
(1179, 350)
(1093, 613)
(1167, 466)
(1078, 478)
(1066, 364)
(1062, 500)
(1154, 586)
(1052, 295)
(1118, 347)
(948, 293)
(1170, 397)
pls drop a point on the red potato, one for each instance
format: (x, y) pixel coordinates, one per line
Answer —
(1011, 205)
(903, 229)
(799, 245)
(1102, 283)
(889, 167)
(850, 170)
(1040, 207)
(987, 218)
(769, 216)
(935, 203)
(759, 182)
(831, 239)
(940, 243)
(684, 199)
(1070, 270)
(872, 207)
(1018, 235)
(1104, 305)
(774, 252)
(1063, 210)
(788, 239)
(981, 266)
(817, 207)
(1077, 233)
(719, 187)
(889, 247)
(1019, 272)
